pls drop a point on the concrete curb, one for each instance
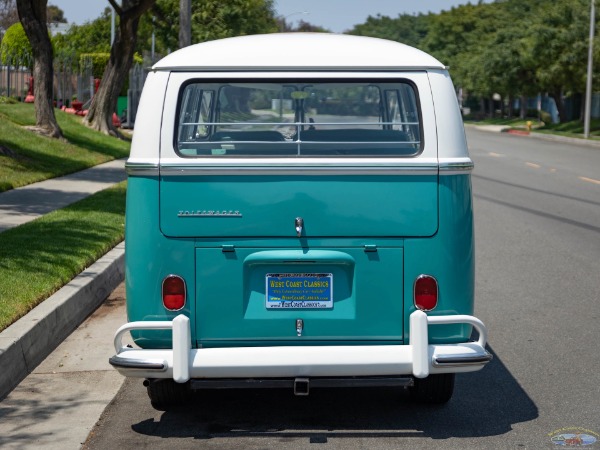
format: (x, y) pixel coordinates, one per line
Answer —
(565, 139)
(27, 342)
(535, 135)
(488, 128)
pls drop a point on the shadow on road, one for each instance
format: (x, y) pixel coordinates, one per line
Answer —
(485, 403)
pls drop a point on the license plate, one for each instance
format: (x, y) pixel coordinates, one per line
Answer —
(299, 291)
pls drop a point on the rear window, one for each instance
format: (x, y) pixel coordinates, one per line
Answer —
(298, 118)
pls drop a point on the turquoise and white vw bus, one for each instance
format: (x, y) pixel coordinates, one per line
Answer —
(299, 215)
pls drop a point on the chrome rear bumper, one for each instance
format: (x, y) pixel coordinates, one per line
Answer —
(419, 358)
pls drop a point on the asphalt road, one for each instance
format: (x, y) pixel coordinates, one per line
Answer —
(537, 212)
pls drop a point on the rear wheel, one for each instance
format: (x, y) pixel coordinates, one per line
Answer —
(435, 389)
(165, 394)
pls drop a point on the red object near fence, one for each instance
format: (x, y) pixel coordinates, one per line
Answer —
(29, 98)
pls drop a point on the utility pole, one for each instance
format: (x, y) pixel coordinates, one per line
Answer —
(153, 42)
(112, 26)
(588, 89)
(185, 23)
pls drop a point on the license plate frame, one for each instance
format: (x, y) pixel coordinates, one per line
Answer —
(286, 291)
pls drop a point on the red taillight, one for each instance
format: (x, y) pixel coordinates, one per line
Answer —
(426, 292)
(173, 292)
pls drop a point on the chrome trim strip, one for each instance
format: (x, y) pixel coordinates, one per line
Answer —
(462, 360)
(189, 170)
(450, 168)
(126, 363)
(141, 168)
(153, 169)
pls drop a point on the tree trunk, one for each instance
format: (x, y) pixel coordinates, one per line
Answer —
(105, 100)
(32, 14)
(560, 105)
(523, 105)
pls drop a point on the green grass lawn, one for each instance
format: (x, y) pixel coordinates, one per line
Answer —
(39, 257)
(573, 129)
(568, 129)
(26, 157)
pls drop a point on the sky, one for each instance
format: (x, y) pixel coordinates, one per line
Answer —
(334, 15)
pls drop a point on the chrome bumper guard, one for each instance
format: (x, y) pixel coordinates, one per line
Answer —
(418, 359)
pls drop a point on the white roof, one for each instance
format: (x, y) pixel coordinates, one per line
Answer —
(298, 51)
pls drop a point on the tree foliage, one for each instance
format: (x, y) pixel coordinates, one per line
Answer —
(15, 48)
(98, 62)
(90, 37)
(137, 21)
(303, 26)
(507, 47)
(211, 19)
(562, 46)
(234, 18)
(216, 19)
(410, 30)
(55, 14)
(8, 15)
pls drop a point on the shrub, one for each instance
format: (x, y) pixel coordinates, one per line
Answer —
(15, 48)
(8, 100)
(98, 62)
(545, 117)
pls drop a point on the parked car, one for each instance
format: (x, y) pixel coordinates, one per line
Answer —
(299, 215)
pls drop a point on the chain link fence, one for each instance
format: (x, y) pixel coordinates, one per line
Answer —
(73, 79)
(15, 77)
(137, 77)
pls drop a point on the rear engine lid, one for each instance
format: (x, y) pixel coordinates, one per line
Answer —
(290, 296)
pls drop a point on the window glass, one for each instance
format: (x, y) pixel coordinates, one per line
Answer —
(298, 118)
(195, 113)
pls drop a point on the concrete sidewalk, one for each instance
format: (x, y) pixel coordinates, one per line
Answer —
(60, 402)
(27, 203)
(26, 343)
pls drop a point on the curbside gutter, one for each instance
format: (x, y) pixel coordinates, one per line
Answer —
(27, 342)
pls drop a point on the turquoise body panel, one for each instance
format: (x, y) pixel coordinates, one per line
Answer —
(449, 256)
(230, 300)
(149, 258)
(331, 205)
(373, 272)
